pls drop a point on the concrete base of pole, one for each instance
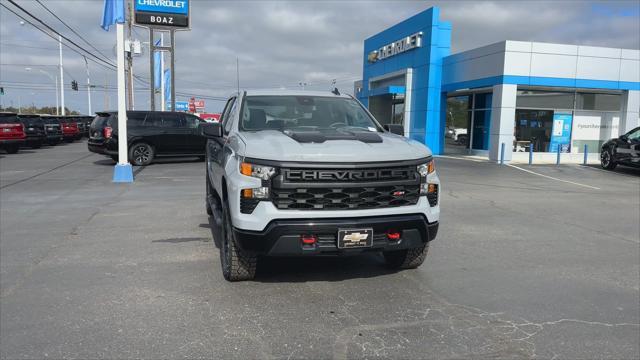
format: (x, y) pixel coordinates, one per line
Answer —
(123, 173)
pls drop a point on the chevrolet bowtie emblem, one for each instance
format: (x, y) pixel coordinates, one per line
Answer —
(356, 237)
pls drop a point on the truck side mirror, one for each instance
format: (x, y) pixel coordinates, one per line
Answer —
(211, 130)
(394, 129)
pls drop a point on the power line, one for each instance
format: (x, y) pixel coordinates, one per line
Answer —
(51, 36)
(72, 30)
(57, 33)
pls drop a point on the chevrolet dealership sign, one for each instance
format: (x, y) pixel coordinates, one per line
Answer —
(162, 13)
(396, 47)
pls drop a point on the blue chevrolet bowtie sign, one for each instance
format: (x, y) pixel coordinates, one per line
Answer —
(180, 7)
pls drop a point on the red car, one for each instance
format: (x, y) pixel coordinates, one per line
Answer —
(70, 129)
(12, 134)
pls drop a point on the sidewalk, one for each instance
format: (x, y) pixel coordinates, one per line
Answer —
(538, 158)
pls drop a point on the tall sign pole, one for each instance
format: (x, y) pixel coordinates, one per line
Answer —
(86, 64)
(163, 16)
(114, 13)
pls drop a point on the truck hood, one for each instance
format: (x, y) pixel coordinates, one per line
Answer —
(275, 145)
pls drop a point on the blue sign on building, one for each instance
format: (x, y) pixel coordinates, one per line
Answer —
(561, 132)
(401, 80)
(163, 6)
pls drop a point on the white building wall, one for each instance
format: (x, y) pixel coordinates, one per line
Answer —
(503, 115)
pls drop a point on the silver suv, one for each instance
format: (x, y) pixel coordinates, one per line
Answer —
(299, 173)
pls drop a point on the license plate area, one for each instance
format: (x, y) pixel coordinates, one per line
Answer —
(355, 238)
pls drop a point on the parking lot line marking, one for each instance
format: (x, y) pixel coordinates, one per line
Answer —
(553, 178)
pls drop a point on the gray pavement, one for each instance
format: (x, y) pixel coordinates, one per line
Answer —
(526, 265)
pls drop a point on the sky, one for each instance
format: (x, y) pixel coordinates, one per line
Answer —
(279, 43)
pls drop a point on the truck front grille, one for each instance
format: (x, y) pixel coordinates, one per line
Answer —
(346, 198)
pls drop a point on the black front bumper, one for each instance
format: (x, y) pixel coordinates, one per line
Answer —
(282, 237)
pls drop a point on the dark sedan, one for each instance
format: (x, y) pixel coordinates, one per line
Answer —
(623, 150)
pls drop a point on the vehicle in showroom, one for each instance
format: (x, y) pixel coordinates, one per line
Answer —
(69, 126)
(298, 173)
(52, 129)
(12, 134)
(34, 130)
(150, 134)
(623, 150)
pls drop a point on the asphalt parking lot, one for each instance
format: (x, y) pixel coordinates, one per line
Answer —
(530, 262)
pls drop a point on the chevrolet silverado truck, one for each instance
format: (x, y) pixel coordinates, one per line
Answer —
(299, 173)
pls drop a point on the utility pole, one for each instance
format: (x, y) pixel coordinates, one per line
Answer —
(130, 97)
(86, 64)
(62, 109)
(106, 97)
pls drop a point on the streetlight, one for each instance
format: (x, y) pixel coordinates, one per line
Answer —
(55, 79)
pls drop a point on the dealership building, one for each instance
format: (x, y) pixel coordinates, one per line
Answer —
(529, 96)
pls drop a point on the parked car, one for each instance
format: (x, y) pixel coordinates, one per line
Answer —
(296, 173)
(623, 150)
(12, 134)
(52, 129)
(150, 134)
(34, 130)
(69, 126)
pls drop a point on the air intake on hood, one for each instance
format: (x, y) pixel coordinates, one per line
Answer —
(320, 137)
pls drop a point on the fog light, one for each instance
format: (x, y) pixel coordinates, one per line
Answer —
(308, 239)
(426, 188)
(256, 193)
(393, 235)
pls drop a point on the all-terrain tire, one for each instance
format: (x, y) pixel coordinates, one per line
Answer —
(237, 265)
(206, 199)
(406, 259)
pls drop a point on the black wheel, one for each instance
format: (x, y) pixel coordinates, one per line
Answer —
(237, 265)
(114, 158)
(406, 259)
(36, 145)
(201, 158)
(606, 159)
(141, 154)
(208, 189)
(69, 140)
(12, 149)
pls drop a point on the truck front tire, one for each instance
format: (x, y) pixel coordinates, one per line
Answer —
(406, 259)
(237, 265)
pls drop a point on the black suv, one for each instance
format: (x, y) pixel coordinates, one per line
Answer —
(623, 150)
(52, 129)
(150, 134)
(34, 129)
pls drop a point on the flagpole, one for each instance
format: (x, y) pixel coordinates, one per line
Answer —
(123, 171)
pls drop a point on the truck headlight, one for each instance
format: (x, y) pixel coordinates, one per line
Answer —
(427, 168)
(257, 171)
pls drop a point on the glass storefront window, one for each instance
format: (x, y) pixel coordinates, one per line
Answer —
(537, 99)
(481, 124)
(458, 123)
(601, 102)
(483, 101)
(533, 129)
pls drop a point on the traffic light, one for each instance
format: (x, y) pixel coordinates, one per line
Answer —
(1, 90)
(74, 85)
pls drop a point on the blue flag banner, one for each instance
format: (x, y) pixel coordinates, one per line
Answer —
(113, 13)
(167, 86)
(157, 68)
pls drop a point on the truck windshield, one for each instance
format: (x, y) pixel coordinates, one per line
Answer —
(320, 113)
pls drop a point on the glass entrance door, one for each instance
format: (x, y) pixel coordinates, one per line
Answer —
(397, 113)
